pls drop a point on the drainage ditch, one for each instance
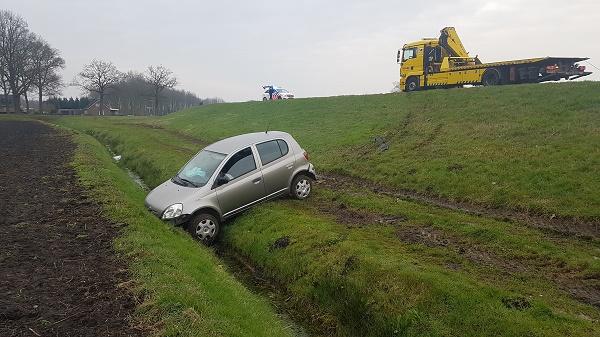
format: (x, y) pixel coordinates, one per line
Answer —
(300, 323)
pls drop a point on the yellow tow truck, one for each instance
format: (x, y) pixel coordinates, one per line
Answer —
(445, 63)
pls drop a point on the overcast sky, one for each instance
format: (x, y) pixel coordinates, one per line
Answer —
(230, 48)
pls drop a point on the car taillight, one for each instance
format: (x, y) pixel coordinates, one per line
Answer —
(306, 155)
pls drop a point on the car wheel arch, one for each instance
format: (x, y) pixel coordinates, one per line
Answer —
(209, 210)
(305, 172)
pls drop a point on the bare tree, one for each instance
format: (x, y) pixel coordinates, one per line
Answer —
(159, 78)
(46, 62)
(97, 77)
(16, 43)
(4, 84)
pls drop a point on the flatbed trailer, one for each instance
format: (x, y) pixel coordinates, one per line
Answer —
(444, 63)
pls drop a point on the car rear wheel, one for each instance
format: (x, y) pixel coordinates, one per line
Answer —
(204, 227)
(265, 99)
(301, 187)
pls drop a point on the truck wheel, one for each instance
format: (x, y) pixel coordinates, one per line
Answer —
(412, 84)
(204, 227)
(491, 77)
(301, 186)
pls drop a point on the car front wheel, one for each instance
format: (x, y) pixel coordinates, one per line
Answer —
(204, 227)
(301, 186)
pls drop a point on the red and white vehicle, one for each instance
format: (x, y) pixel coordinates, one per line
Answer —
(272, 93)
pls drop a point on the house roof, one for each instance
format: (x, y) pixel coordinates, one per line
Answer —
(106, 106)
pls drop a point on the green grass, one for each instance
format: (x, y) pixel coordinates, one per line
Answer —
(532, 147)
(527, 147)
(186, 290)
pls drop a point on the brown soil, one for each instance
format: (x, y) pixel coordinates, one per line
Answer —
(60, 273)
(354, 218)
(582, 228)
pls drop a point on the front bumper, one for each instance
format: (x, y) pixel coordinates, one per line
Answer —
(178, 221)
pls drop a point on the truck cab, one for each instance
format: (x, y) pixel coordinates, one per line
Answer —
(427, 62)
(411, 65)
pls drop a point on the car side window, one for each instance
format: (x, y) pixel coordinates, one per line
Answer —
(239, 164)
(271, 150)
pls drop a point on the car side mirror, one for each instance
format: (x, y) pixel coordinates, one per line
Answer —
(222, 180)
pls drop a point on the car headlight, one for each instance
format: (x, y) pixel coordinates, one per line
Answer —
(172, 211)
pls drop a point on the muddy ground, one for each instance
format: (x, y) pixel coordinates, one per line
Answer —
(587, 229)
(59, 273)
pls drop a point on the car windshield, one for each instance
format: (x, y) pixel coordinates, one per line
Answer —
(198, 171)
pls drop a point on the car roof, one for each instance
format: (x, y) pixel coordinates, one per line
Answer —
(228, 145)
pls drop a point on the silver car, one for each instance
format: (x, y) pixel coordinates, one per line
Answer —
(229, 176)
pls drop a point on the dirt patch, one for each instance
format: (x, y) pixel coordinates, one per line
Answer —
(584, 289)
(60, 274)
(381, 143)
(430, 139)
(349, 265)
(432, 237)
(566, 226)
(280, 243)
(354, 218)
(517, 303)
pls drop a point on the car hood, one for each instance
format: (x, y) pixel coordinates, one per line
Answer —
(169, 193)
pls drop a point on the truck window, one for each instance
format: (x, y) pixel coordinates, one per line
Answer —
(409, 54)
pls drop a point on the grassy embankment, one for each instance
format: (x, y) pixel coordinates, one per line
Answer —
(185, 289)
(457, 274)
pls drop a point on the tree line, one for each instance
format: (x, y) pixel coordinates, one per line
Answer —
(28, 64)
(68, 103)
(148, 93)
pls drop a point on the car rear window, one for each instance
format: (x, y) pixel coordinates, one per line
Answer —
(272, 150)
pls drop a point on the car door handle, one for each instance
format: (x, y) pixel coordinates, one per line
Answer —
(257, 180)
(290, 167)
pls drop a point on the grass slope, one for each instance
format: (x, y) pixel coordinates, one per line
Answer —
(370, 279)
(183, 285)
(528, 146)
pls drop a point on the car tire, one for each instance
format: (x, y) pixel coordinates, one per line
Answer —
(204, 227)
(265, 99)
(301, 186)
(412, 84)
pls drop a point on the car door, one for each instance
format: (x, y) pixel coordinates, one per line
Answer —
(245, 184)
(277, 165)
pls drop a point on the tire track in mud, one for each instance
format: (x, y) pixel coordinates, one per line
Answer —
(565, 226)
(585, 289)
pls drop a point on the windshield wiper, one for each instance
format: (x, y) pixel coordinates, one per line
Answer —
(187, 181)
